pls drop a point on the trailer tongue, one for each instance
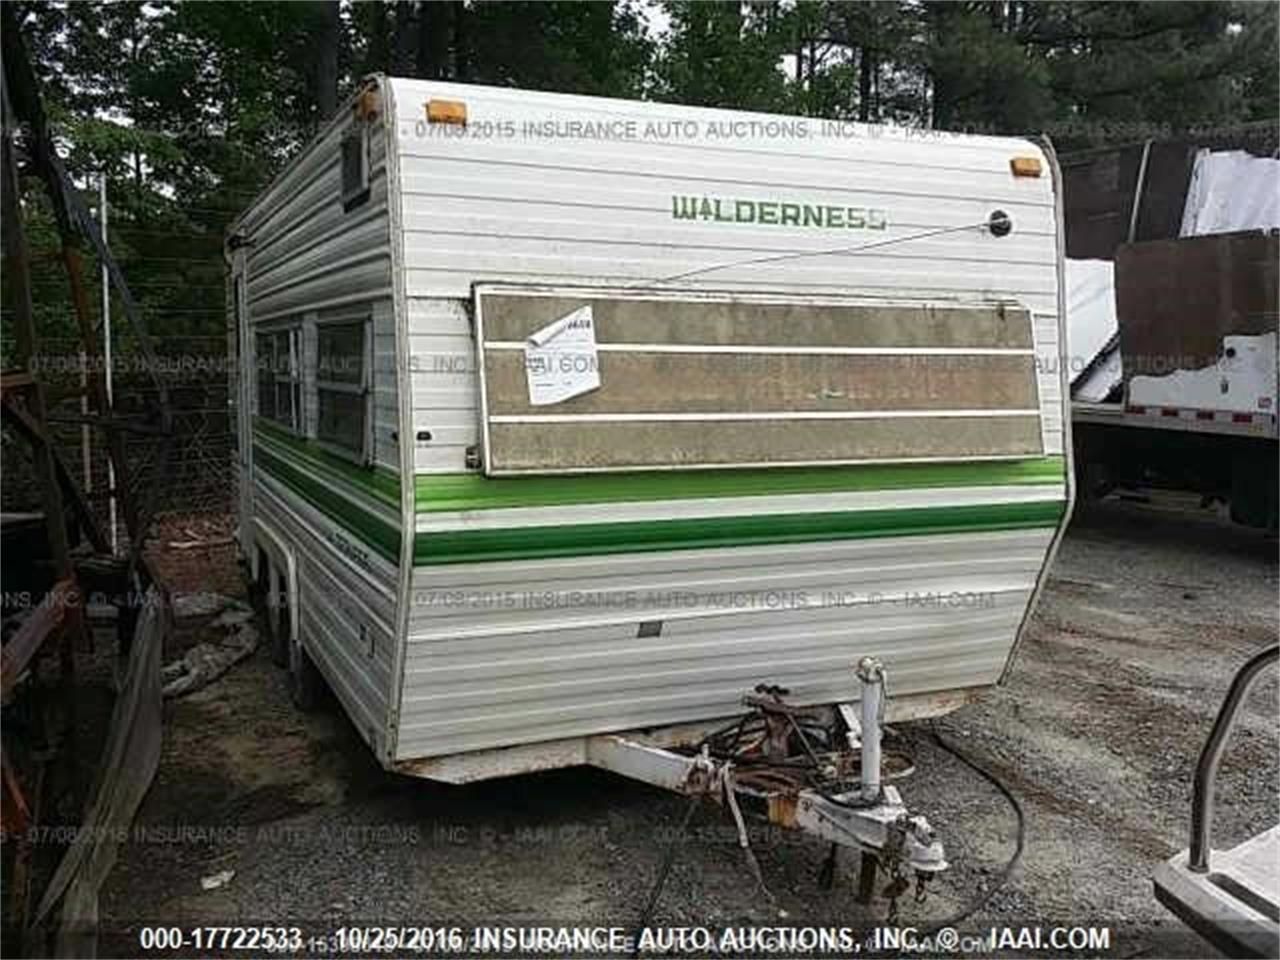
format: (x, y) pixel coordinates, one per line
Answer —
(813, 769)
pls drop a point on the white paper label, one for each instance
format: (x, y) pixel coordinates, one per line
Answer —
(560, 359)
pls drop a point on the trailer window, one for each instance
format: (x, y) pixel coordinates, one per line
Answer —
(355, 166)
(342, 386)
(279, 377)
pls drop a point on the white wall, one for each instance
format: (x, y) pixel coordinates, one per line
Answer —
(489, 206)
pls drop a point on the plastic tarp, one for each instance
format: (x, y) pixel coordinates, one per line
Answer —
(1231, 190)
(1096, 384)
(128, 764)
(1091, 329)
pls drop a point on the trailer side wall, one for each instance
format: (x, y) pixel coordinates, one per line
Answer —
(326, 518)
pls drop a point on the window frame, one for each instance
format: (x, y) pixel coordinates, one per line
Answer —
(362, 389)
(356, 194)
(289, 377)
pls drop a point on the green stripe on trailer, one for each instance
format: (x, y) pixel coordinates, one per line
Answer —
(374, 481)
(382, 536)
(527, 543)
(435, 493)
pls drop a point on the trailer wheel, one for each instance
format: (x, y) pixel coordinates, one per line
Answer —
(306, 686)
(257, 584)
(280, 638)
(278, 616)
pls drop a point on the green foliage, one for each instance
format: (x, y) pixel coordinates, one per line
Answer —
(593, 48)
(189, 108)
(1174, 64)
(723, 55)
(983, 77)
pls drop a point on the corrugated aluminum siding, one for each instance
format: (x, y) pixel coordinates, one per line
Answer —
(520, 652)
(346, 612)
(310, 258)
(310, 261)
(550, 646)
(481, 205)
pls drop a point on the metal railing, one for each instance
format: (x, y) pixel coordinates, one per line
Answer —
(1207, 768)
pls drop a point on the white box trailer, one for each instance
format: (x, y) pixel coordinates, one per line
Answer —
(807, 407)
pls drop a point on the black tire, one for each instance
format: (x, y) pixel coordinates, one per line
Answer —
(260, 598)
(306, 686)
(280, 638)
(257, 585)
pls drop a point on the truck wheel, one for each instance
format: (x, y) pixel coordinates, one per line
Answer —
(306, 686)
(1253, 490)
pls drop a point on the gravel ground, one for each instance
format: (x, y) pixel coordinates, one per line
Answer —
(1146, 616)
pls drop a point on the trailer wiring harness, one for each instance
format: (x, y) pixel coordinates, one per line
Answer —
(776, 746)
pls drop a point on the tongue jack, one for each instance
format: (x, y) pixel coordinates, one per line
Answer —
(871, 675)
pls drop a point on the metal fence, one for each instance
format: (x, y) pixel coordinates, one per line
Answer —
(197, 478)
(175, 272)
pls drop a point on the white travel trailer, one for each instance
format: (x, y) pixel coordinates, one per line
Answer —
(563, 417)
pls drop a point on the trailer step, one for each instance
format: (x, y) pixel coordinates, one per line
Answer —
(1236, 905)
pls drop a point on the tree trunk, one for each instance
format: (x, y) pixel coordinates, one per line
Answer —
(942, 106)
(866, 64)
(423, 63)
(875, 87)
(377, 59)
(328, 31)
(404, 37)
(434, 28)
(134, 43)
(461, 59)
(939, 21)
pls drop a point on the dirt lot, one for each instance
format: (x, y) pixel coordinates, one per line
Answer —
(1146, 617)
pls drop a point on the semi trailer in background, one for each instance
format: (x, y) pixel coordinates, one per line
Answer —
(1172, 320)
